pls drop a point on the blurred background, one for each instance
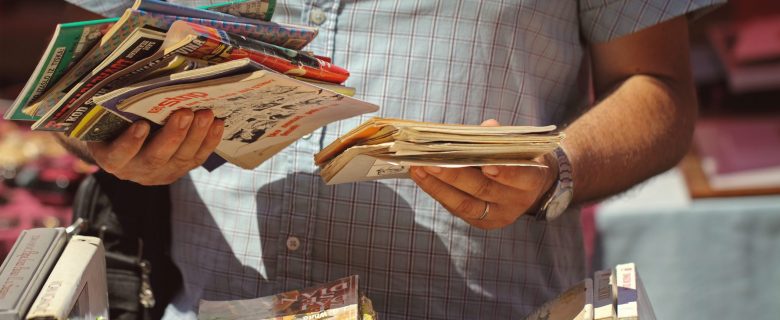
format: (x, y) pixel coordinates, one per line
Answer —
(705, 235)
(39, 178)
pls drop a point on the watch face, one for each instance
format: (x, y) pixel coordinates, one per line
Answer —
(559, 203)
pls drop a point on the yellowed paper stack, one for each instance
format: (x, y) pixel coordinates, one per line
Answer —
(387, 148)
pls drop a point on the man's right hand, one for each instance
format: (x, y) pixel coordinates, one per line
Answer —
(184, 143)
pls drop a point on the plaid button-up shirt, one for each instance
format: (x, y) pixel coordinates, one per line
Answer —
(243, 234)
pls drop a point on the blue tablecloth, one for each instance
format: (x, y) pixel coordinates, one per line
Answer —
(712, 259)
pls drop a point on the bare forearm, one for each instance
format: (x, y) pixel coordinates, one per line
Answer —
(643, 128)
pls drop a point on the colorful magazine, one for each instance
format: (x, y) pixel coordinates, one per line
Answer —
(68, 44)
(337, 300)
(264, 111)
(65, 114)
(231, 47)
(129, 22)
(97, 125)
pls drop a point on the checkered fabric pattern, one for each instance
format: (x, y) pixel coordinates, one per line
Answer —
(244, 234)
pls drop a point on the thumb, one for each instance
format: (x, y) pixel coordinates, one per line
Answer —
(490, 123)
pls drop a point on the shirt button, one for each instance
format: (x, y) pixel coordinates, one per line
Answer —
(317, 16)
(293, 243)
(307, 137)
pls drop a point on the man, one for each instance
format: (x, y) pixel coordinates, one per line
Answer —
(490, 242)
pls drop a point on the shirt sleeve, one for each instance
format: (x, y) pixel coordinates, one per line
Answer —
(604, 20)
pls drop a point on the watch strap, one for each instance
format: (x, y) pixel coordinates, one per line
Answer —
(563, 185)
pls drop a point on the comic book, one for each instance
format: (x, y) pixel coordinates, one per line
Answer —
(113, 37)
(68, 44)
(337, 300)
(98, 126)
(216, 46)
(264, 111)
(228, 46)
(140, 44)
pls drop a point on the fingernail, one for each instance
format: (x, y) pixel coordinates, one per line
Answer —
(434, 170)
(490, 170)
(139, 130)
(184, 120)
(420, 173)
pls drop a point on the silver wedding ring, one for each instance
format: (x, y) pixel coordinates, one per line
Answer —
(485, 213)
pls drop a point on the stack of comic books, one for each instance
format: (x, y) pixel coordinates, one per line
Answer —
(97, 77)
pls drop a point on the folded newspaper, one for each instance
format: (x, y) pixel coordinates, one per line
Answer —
(386, 148)
(340, 300)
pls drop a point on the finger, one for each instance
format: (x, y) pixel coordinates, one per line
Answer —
(211, 141)
(490, 123)
(167, 141)
(473, 182)
(455, 201)
(199, 129)
(114, 155)
(518, 177)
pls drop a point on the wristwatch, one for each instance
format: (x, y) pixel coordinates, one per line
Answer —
(560, 195)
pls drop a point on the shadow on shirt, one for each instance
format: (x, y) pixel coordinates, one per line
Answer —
(367, 228)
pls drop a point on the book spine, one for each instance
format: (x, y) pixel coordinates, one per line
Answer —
(26, 267)
(105, 126)
(625, 277)
(285, 35)
(71, 108)
(79, 263)
(180, 10)
(254, 9)
(603, 299)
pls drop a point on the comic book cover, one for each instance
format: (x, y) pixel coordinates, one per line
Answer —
(229, 46)
(68, 44)
(134, 18)
(337, 300)
(264, 111)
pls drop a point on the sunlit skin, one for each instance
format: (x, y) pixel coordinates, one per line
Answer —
(641, 126)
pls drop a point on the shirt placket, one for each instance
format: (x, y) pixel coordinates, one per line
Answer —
(298, 226)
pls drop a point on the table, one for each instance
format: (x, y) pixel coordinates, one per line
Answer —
(716, 258)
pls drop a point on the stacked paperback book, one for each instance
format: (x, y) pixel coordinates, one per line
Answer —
(97, 77)
(50, 275)
(386, 148)
(612, 294)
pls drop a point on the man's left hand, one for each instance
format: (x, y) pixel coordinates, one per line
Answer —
(489, 197)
